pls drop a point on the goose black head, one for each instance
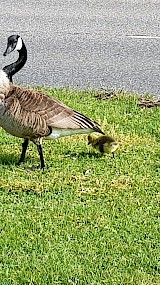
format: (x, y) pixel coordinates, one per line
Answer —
(14, 43)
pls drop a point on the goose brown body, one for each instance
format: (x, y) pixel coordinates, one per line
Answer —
(28, 113)
(33, 115)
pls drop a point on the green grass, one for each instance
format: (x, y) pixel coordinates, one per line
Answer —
(88, 219)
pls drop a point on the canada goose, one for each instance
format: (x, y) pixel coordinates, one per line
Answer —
(15, 43)
(104, 144)
(33, 115)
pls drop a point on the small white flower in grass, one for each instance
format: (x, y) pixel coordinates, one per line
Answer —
(71, 281)
(87, 171)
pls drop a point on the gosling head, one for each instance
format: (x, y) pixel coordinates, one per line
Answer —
(14, 43)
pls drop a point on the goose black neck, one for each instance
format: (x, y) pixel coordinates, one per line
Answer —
(14, 67)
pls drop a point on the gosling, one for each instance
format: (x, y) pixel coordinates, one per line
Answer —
(104, 144)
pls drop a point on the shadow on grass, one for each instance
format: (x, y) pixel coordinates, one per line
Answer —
(83, 154)
(8, 158)
(12, 159)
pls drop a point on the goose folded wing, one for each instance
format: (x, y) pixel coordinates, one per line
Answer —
(24, 123)
(56, 114)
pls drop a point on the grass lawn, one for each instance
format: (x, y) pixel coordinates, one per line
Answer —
(88, 219)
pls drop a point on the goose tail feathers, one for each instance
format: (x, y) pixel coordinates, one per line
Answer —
(85, 122)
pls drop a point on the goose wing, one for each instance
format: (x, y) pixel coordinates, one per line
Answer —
(54, 112)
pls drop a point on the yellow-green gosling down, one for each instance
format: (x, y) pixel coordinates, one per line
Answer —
(104, 144)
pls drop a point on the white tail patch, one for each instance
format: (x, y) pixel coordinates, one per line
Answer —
(19, 44)
(57, 133)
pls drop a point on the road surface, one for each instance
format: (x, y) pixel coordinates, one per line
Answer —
(86, 43)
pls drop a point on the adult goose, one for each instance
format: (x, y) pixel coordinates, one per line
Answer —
(33, 115)
(15, 43)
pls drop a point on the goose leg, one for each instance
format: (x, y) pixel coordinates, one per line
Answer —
(38, 143)
(24, 148)
(40, 151)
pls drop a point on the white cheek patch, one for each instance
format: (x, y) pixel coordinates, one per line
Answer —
(19, 44)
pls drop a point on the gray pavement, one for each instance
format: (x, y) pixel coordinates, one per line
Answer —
(85, 44)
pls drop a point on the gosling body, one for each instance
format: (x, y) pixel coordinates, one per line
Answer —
(104, 144)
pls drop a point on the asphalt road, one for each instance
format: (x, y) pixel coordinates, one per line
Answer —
(85, 43)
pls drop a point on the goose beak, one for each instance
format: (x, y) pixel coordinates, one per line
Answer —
(8, 50)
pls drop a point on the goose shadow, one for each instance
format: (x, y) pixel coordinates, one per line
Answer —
(8, 158)
(12, 158)
(82, 154)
